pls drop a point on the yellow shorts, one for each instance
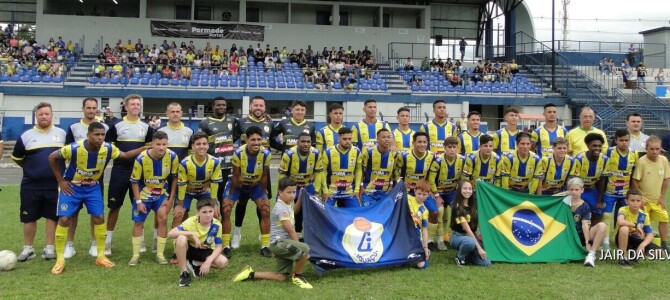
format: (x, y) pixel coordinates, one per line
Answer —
(656, 213)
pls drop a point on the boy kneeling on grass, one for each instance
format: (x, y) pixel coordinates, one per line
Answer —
(198, 243)
(284, 242)
(633, 228)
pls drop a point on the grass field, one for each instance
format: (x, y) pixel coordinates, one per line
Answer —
(443, 279)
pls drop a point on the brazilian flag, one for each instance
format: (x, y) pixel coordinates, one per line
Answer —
(524, 228)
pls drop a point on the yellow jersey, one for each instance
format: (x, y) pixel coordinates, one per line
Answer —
(86, 167)
(377, 169)
(477, 167)
(302, 169)
(590, 172)
(327, 137)
(504, 141)
(251, 167)
(209, 237)
(403, 140)
(151, 173)
(365, 135)
(437, 133)
(197, 177)
(554, 175)
(621, 169)
(544, 138)
(412, 168)
(576, 137)
(449, 173)
(516, 174)
(468, 143)
(342, 171)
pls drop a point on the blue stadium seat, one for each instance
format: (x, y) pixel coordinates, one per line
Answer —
(233, 83)
(144, 81)
(4, 77)
(204, 82)
(272, 84)
(300, 85)
(164, 81)
(365, 86)
(194, 82)
(310, 85)
(214, 82)
(135, 81)
(174, 81)
(223, 83)
(384, 87)
(433, 88)
(26, 78)
(337, 86)
(36, 78)
(93, 80)
(122, 80)
(374, 87)
(442, 88)
(281, 84)
(115, 80)
(450, 88)
(424, 88)
(415, 88)
(103, 80)
(262, 84)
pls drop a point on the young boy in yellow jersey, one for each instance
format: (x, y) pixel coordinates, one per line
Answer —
(469, 139)
(341, 181)
(287, 249)
(439, 128)
(403, 134)
(483, 164)
(79, 185)
(326, 137)
(377, 164)
(419, 214)
(633, 228)
(621, 162)
(554, 169)
(149, 192)
(451, 167)
(251, 168)
(198, 243)
(504, 140)
(593, 168)
(517, 170)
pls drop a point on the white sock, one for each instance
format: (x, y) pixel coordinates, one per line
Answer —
(238, 230)
(110, 235)
(49, 247)
(69, 243)
(155, 233)
(606, 240)
(94, 243)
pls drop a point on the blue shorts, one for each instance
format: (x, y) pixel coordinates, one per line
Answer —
(591, 197)
(448, 198)
(154, 205)
(372, 198)
(611, 202)
(197, 196)
(343, 201)
(86, 195)
(254, 192)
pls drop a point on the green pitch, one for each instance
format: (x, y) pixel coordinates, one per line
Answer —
(443, 279)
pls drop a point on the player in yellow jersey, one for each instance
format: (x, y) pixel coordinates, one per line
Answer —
(251, 172)
(554, 170)
(326, 137)
(621, 162)
(542, 139)
(342, 176)
(504, 140)
(377, 164)
(451, 167)
(469, 140)
(365, 131)
(576, 135)
(302, 163)
(148, 186)
(483, 164)
(403, 134)
(517, 170)
(439, 128)
(633, 227)
(593, 168)
(79, 185)
(416, 165)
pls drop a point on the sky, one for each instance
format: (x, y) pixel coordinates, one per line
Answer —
(617, 20)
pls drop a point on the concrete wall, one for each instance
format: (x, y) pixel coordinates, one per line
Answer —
(662, 38)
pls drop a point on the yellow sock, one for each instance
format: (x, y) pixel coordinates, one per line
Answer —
(226, 239)
(440, 223)
(61, 237)
(432, 230)
(161, 246)
(100, 233)
(446, 218)
(265, 240)
(137, 242)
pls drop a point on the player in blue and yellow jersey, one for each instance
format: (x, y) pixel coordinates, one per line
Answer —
(554, 170)
(365, 131)
(504, 140)
(517, 170)
(593, 168)
(483, 164)
(199, 177)
(127, 134)
(451, 167)
(290, 128)
(542, 139)
(152, 169)
(86, 161)
(302, 163)
(621, 162)
(439, 128)
(251, 172)
(633, 227)
(403, 134)
(577, 134)
(469, 140)
(198, 243)
(39, 190)
(326, 137)
(342, 174)
(420, 164)
(378, 163)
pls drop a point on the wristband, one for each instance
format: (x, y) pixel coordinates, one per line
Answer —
(138, 201)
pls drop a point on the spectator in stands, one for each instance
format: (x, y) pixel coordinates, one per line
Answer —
(632, 51)
(454, 80)
(641, 73)
(660, 76)
(604, 66)
(409, 65)
(425, 64)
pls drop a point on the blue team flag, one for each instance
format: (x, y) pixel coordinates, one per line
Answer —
(382, 234)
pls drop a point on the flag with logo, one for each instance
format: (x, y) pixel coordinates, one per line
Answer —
(382, 234)
(523, 228)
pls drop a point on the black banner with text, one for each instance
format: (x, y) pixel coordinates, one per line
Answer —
(207, 31)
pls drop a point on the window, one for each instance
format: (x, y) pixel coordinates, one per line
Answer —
(387, 20)
(344, 18)
(253, 14)
(182, 12)
(203, 12)
(322, 18)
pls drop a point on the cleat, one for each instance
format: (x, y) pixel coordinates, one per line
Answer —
(69, 251)
(300, 281)
(93, 251)
(227, 252)
(58, 268)
(265, 252)
(134, 261)
(590, 260)
(459, 262)
(184, 279)
(244, 274)
(27, 254)
(161, 260)
(433, 247)
(104, 262)
(108, 249)
(235, 243)
(624, 264)
(48, 254)
(441, 246)
(193, 269)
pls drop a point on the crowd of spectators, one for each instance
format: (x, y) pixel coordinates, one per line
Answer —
(19, 57)
(457, 74)
(629, 73)
(169, 60)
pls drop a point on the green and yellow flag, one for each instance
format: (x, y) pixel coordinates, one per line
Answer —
(523, 228)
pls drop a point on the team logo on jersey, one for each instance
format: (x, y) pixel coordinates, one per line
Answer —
(63, 207)
(266, 128)
(306, 130)
(230, 126)
(185, 138)
(56, 138)
(363, 241)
